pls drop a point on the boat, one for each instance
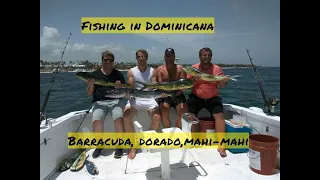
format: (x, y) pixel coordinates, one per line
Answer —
(151, 164)
(185, 164)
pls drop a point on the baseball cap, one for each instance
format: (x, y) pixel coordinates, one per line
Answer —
(169, 51)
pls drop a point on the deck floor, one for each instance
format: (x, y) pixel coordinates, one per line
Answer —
(186, 164)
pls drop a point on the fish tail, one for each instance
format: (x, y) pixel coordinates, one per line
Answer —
(234, 77)
(144, 85)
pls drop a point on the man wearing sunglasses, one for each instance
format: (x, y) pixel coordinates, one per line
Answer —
(102, 105)
(171, 72)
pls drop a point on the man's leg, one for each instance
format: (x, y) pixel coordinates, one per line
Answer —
(117, 115)
(164, 111)
(220, 124)
(99, 113)
(181, 107)
(129, 112)
(194, 107)
(156, 118)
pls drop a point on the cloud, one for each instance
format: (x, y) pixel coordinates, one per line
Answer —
(186, 46)
(52, 46)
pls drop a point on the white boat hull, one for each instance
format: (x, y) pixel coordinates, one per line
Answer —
(53, 149)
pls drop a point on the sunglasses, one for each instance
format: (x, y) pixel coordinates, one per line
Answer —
(108, 60)
(142, 57)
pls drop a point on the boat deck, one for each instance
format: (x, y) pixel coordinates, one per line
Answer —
(186, 164)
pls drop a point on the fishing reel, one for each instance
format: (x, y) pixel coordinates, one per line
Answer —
(43, 117)
(271, 103)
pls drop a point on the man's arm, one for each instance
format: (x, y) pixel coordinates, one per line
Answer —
(130, 82)
(130, 78)
(182, 74)
(90, 88)
(154, 76)
(223, 83)
(159, 75)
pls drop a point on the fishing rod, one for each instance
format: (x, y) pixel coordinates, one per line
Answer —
(270, 102)
(42, 115)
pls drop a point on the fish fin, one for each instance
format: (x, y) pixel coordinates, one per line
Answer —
(195, 69)
(144, 85)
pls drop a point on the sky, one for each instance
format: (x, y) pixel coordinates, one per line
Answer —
(239, 25)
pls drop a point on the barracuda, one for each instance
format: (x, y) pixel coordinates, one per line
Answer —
(207, 77)
(180, 84)
(85, 76)
(136, 93)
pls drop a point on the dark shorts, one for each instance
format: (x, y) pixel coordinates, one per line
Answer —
(213, 105)
(173, 101)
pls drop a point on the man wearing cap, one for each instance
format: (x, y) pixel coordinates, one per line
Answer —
(171, 72)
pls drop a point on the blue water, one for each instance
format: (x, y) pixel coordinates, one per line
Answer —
(69, 93)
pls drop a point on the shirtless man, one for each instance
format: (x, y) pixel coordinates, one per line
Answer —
(145, 74)
(170, 72)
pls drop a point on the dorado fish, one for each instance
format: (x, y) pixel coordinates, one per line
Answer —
(207, 77)
(85, 76)
(78, 164)
(66, 164)
(136, 93)
(92, 168)
(180, 84)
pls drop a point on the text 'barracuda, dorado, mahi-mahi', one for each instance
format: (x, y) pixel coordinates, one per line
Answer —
(155, 142)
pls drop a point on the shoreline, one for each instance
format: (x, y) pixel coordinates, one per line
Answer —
(124, 70)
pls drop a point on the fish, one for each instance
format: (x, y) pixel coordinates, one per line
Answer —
(66, 164)
(85, 76)
(180, 84)
(207, 77)
(78, 164)
(91, 168)
(136, 93)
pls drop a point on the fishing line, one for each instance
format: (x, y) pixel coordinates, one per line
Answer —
(42, 117)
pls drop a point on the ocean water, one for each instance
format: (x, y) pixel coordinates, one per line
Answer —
(68, 93)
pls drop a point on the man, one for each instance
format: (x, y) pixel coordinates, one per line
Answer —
(205, 94)
(171, 72)
(102, 105)
(145, 74)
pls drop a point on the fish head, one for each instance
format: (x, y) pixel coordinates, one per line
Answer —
(195, 70)
(84, 76)
(188, 70)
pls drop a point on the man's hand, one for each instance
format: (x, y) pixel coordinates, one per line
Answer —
(164, 95)
(118, 84)
(90, 83)
(226, 78)
(196, 78)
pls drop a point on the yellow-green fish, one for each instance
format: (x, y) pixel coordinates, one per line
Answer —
(79, 163)
(66, 164)
(180, 84)
(86, 76)
(207, 77)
